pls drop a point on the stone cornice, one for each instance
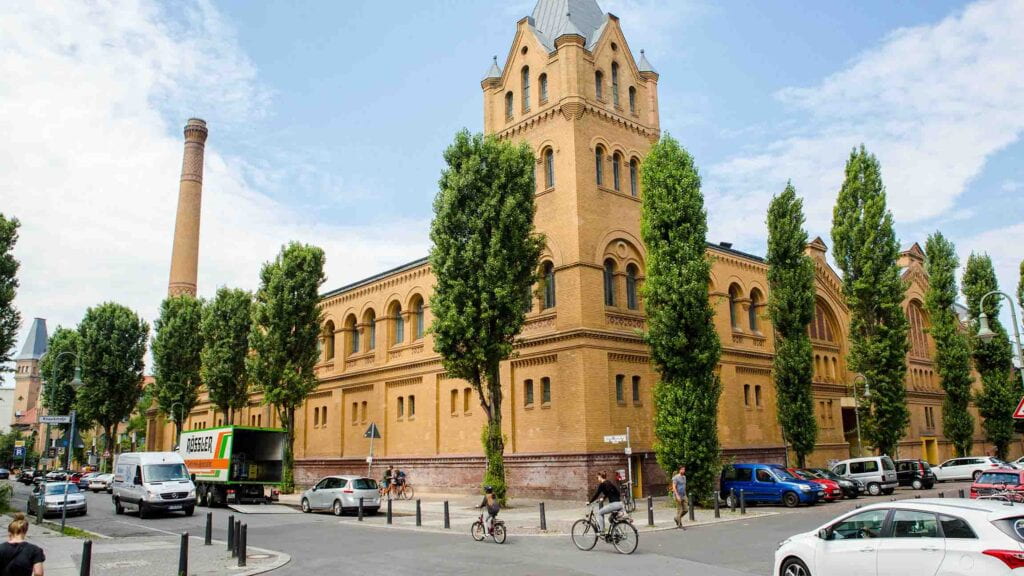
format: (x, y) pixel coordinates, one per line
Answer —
(379, 286)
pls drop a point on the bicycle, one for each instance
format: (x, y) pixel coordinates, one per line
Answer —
(403, 491)
(621, 532)
(498, 532)
(626, 490)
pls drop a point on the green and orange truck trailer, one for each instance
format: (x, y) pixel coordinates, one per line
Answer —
(233, 464)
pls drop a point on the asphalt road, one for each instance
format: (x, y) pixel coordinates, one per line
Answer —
(321, 543)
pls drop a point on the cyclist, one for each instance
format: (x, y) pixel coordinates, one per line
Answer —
(399, 479)
(389, 474)
(610, 492)
(493, 507)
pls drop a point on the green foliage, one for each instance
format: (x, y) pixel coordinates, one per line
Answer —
(485, 257)
(176, 346)
(952, 351)
(791, 308)
(6, 492)
(10, 318)
(112, 346)
(866, 250)
(58, 369)
(227, 320)
(992, 359)
(681, 333)
(283, 339)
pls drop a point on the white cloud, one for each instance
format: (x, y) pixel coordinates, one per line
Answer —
(1003, 245)
(91, 163)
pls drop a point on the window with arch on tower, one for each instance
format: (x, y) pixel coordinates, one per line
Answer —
(328, 341)
(509, 105)
(370, 319)
(632, 100)
(399, 323)
(755, 303)
(609, 282)
(526, 88)
(918, 337)
(631, 300)
(821, 326)
(543, 81)
(549, 285)
(353, 333)
(599, 84)
(615, 84)
(734, 306)
(634, 178)
(418, 317)
(549, 168)
(599, 165)
(617, 171)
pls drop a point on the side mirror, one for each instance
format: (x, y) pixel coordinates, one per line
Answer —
(192, 477)
(314, 488)
(825, 534)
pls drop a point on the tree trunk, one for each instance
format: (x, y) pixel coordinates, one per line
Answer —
(494, 442)
(108, 433)
(288, 475)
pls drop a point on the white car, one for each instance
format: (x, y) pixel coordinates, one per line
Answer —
(101, 483)
(911, 537)
(967, 468)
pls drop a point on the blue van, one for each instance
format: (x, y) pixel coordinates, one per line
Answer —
(767, 483)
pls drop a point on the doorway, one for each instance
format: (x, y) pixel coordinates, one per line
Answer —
(930, 450)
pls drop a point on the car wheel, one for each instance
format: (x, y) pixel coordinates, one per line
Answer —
(977, 474)
(917, 485)
(874, 489)
(790, 499)
(338, 509)
(143, 510)
(190, 510)
(794, 567)
(305, 506)
(118, 509)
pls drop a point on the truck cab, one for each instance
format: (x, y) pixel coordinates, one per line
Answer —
(151, 482)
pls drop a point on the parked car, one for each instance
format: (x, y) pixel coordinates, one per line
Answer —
(878, 473)
(28, 476)
(929, 536)
(915, 473)
(101, 483)
(999, 480)
(851, 487)
(56, 475)
(54, 498)
(767, 483)
(4, 474)
(969, 468)
(342, 493)
(83, 482)
(832, 489)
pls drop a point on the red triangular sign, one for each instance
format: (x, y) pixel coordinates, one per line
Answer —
(1019, 412)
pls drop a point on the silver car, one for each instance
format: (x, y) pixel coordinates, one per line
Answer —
(101, 483)
(342, 493)
(54, 499)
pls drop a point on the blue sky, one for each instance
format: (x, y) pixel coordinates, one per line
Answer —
(328, 119)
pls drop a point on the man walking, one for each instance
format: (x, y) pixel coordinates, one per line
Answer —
(679, 492)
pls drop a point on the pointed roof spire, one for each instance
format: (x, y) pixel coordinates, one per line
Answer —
(555, 18)
(36, 343)
(494, 71)
(568, 27)
(644, 65)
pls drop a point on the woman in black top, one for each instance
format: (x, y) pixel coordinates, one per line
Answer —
(610, 492)
(18, 557)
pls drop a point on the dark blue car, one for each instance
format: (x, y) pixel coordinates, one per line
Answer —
(769, 484)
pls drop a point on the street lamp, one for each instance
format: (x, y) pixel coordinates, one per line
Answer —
(856, 408)
(177, 422)
(985, 334)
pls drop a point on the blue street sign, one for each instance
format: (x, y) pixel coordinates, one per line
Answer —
(19, 451)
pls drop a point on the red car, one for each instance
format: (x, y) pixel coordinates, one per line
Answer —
(992, 482)
(832, 489)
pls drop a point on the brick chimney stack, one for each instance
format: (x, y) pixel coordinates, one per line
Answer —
(185, 253)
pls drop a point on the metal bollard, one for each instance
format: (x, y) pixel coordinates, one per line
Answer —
(718, 513)
(242, 545)
(543, 518)
(238, 536)
(360, 508)
(689, 505)
(917, 497)
(231, 534)
(419, 514)
(650, 511)
(208, 537)
(183, 556)
(447, 518)
(732, 501)
(961, 492)
(942, 494)
(389, 510)
(86, 558)
(743, 502)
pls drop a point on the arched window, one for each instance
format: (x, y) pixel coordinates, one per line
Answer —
(918, 327)
(599, 84)
(508, 105)
(615, 83)
(617, 171)
(399, 323)
(609, 282)
(821, 326)
(328, 341)
(632, 100)
(631, 302)
(526, 88)
(418, 318)
(353, 333)
(543, 88)
(755, 303)
(599, 165)
(734, 306)
(634, 177)
(549, 168)
(370, 319)
(549, 285)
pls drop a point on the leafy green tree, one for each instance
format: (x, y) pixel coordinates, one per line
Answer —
(993, 359)
(58, 369)
(485, 257)
(177, 344)
(866, 250)
(227, 320)
(681, 332)
(112, 346)
(791, 308)
(10, 318)
(952, 350)
(283, 339)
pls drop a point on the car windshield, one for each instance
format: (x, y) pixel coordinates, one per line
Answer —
(783, 474)
(826, 474)
(1008, 478)
(165, 472)
(59, 488)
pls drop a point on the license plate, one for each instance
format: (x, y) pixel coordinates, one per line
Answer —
(174, 507)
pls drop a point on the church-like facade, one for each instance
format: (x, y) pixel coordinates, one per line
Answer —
(574, 90)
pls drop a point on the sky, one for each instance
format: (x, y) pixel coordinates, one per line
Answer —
(328, 119)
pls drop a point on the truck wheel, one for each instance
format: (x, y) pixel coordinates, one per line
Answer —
(338, 510)
(118, 509)
(790, 499)
(190, 510)
(143, 510)
(305, 506)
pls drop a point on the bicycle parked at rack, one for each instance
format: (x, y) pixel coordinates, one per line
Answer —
(498, 532)
(626, 490)
(621, 532)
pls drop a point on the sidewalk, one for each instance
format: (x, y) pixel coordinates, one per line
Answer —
(156, 556)
(522, 517)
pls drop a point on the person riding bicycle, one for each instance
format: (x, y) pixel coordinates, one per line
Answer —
(610, 492)
(490, 502)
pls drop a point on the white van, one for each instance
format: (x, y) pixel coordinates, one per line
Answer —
(152, 481)
(878, 473)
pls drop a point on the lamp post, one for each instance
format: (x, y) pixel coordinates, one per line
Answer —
(76, 383)
(177, 422)
(985, 334)
(856, 409)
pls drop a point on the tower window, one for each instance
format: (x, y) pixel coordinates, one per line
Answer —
(634, 169)
(734, 306)
(632, 100)
(609, 283)
(528, 393)
(636, 389)
(508, 105)
(631, 302)
(466, 392)
(549, 285)
(615, 83)
(396, 313)
(371, 330)
(543, 88)
(755, 302)
(599, 165)
(620, 393)
(617, 171)
(549, 168)
(412, 406)
(417, 312)
(599, 84)
(545, 390)
(401, 407)
(526, 88)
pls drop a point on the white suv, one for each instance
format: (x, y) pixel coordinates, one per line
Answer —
(932, 536)
(967, 468)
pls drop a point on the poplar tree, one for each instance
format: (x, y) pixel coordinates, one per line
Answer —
(177, 344)
(283, 338)
(227, 320)
(680, 320)
(791, 308)
(57, 369)
(10, 318)
(485, 258)
(866, 251)
(952, 350)
(992, 359)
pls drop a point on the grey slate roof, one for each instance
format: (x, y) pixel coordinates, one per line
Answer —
(494, 71)
(554, 18)
(35, 344)
(644, 65)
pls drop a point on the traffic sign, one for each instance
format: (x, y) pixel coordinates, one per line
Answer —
(1019, 412)
(372, 431)
(55, 419)
(615, 439)
(19, 451)
(19, 443)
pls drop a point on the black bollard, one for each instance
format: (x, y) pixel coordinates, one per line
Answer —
(961, 492)
(743, 502)
(389, 510)
(689, 504)
(857, 507)
(917, 497)
(231, 534)
(942, 494)
(238, 536)
(419, 514)
(86, 558)
(183, 556)
(650, 511)
(718, 513)
(242, 545)
(543, 518)
(360, 508)
(208, 538)
(447, 519)
(732, 501)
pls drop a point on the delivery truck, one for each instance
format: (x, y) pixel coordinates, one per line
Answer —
(233, 464)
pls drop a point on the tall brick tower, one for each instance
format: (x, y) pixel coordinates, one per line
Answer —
(185, 253)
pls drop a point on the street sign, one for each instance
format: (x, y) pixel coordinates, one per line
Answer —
(19, 443)
(1019, 412)
(615, 439)
(19, 451)
(372, 431)
(369, 459)
(629, 451)
(55, 419)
